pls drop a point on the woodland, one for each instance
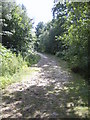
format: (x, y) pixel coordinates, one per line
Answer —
(65, 38)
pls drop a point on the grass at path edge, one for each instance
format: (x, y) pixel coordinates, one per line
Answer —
(18, 76)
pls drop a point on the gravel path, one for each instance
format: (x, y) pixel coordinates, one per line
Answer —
(40, 95)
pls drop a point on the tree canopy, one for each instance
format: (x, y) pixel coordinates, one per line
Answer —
(67, 34)
(16, 27)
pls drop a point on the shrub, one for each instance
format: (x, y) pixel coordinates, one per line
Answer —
(31, 58)
(10, 64)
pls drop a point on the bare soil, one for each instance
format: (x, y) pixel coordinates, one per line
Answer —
(42, 94)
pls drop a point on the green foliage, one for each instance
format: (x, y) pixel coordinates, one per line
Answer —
(16, 27)
(46, 40)
(14, 67)
(17, 36)
(39, 28)
(60, 54)
(10, 64)
(31, 58)
(67, 34)
(18, 76)
(76, 37)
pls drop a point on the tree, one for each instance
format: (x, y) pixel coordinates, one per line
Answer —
(39, 31)
(16, 27)
(76, 35)
(39, 28)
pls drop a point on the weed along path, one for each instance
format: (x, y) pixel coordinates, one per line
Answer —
(51, 91)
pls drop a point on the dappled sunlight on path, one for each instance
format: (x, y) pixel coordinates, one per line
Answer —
(42, 94)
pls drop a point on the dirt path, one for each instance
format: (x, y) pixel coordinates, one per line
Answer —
(42, 94)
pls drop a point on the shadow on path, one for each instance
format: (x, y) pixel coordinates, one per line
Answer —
(51, 97)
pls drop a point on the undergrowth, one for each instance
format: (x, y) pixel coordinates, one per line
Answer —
(14, 67)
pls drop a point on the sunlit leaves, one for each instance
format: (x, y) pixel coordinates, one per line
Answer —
(16, 22)
(76, 33)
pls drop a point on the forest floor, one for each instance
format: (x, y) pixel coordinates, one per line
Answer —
(51, 91)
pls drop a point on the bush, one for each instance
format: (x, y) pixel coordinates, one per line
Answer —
(31, 58)
(10, 64)
(61, 54)
(14, 67)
